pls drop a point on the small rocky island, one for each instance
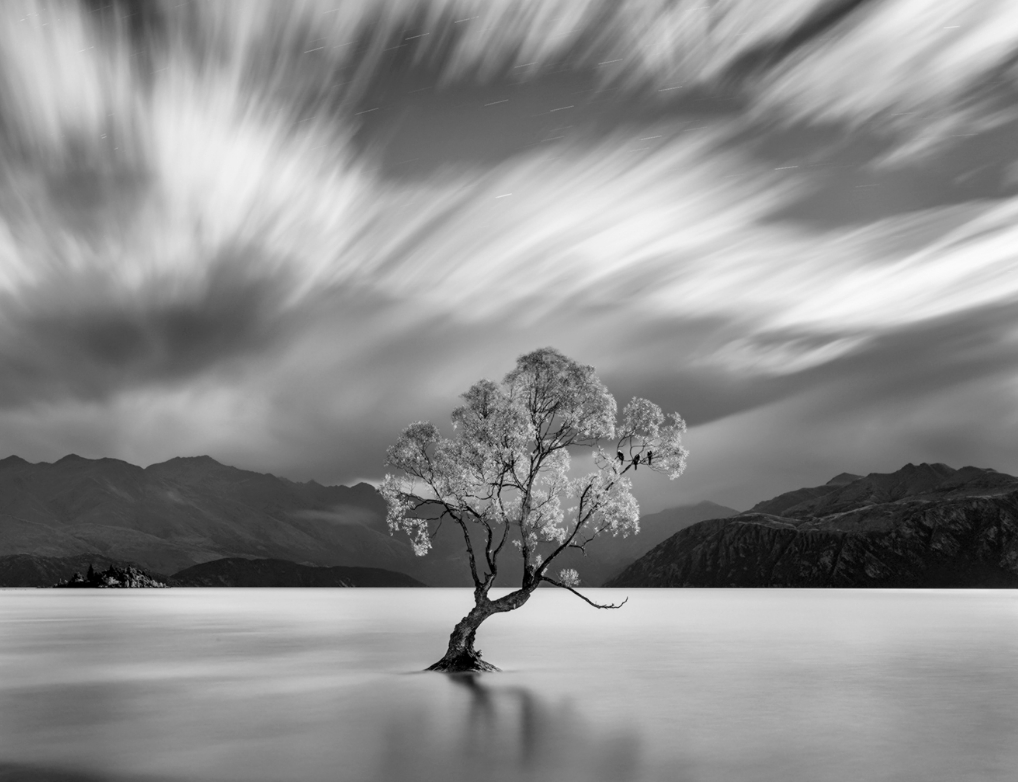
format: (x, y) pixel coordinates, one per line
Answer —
(112, 578)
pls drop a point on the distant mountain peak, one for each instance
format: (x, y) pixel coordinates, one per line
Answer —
(843, 479)
(917, 474)
(71, 457)
(202, 459)
(937, 467)
(847, 491)
(191, 465)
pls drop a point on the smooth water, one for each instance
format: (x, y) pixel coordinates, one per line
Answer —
(701, 685)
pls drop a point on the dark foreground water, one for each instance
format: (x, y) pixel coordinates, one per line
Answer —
(678, 685)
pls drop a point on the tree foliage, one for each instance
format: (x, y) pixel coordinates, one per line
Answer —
(508, 471)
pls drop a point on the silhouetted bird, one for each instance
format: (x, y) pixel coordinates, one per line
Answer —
(636, 461)
(622, 459)
(650, 455)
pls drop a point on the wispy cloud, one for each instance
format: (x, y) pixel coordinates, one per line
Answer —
(192, 213)
(911, 63)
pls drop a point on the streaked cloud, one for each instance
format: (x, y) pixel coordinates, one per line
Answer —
(913, 65)
(205, 244)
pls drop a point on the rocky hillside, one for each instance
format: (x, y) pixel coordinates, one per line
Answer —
(607, 555)
(279, 573)
(922, 526)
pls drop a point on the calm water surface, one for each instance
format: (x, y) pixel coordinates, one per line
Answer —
(697, 685)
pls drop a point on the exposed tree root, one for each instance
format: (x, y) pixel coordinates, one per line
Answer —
(463, 662)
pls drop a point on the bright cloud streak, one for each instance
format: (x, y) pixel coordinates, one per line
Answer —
(232, 166)
(181, 200)
(910, 59)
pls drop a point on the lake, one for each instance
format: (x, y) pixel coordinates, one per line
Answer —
(699, 685)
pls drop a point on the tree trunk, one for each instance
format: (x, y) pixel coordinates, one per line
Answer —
(461, 655)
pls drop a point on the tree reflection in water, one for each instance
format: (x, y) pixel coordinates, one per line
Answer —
(504, 734)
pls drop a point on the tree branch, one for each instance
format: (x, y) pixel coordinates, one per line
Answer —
(580, 521)
(470, 549)
(583, 597)
(582, 545)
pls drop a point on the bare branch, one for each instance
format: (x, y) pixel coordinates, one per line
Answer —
(582, 545)
(583, 597)
(470, 548)
(505, 535)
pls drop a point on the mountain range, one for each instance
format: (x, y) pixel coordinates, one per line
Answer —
(59, 517)
(922, 526)
(194, 521)
(185, 511)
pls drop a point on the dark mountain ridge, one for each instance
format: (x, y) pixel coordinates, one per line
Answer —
(925, 481)
(171, 516)
(185, 511)
(921, 526)
(236, 572)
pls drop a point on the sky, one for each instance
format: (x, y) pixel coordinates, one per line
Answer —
(278, 232)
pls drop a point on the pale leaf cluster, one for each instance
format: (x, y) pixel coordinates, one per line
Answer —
(507, 471)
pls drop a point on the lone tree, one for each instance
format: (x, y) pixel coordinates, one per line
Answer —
(506, 475)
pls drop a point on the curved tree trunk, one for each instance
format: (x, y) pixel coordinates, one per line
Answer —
(461, 656)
